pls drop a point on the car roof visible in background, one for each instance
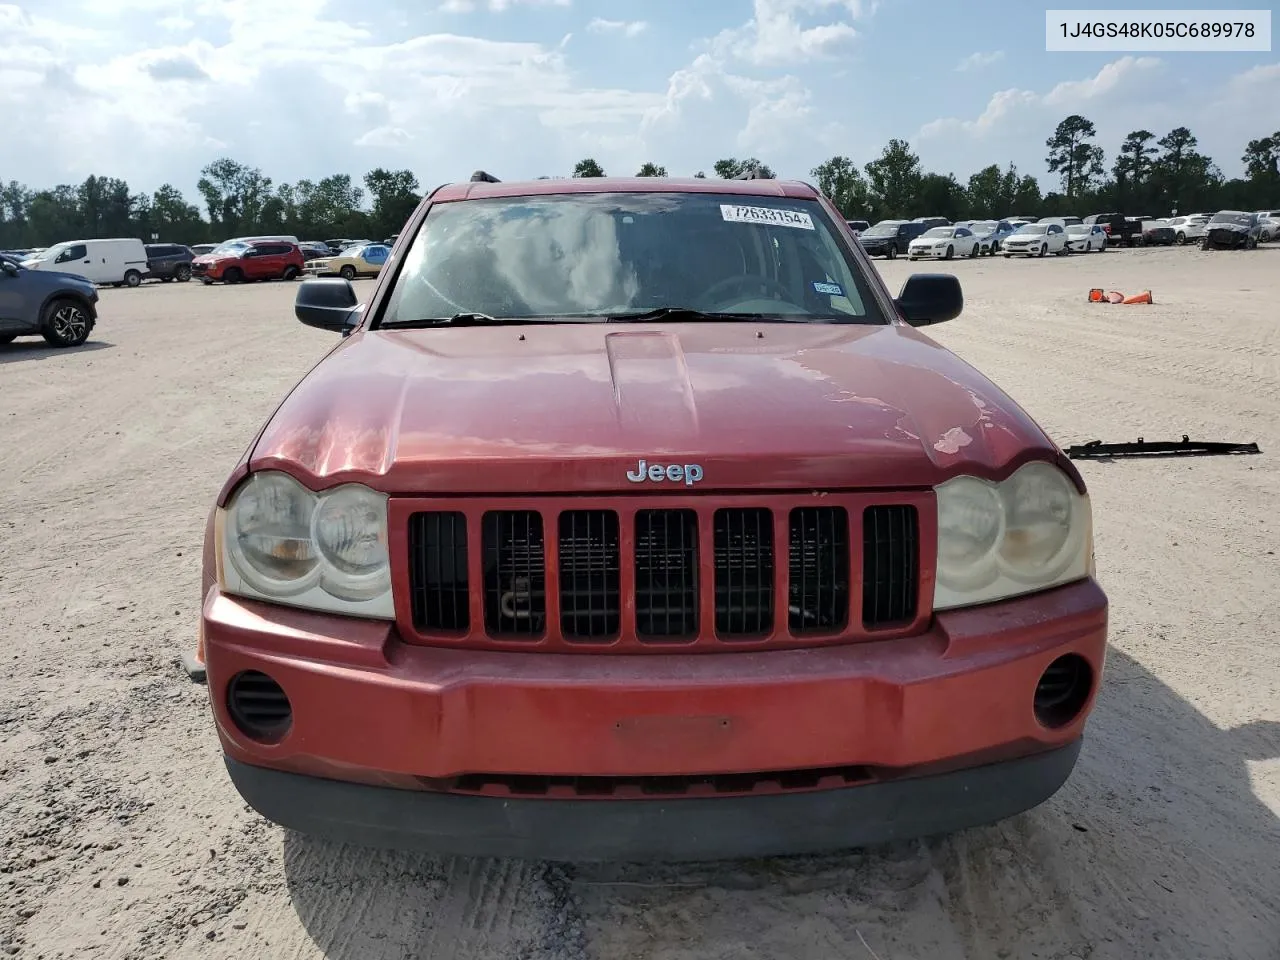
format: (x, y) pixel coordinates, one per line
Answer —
(521, 188)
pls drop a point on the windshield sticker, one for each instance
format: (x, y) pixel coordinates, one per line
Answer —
(733, 213)
(830, 289)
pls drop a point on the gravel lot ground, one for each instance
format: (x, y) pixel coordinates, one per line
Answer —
(121, 836)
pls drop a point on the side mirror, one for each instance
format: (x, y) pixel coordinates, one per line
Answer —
(9, 268)
(928, 298)
(328, 303)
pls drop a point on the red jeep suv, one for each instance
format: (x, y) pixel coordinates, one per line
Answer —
(636, 519)
(237, 261)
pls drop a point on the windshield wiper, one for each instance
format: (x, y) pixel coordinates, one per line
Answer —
(682, 314)
(459, 320)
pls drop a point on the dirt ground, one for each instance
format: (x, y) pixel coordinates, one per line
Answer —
(121, 836)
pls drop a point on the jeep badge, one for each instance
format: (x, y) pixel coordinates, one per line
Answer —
(689, 473)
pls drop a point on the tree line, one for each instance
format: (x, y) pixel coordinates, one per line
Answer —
(1149, 175)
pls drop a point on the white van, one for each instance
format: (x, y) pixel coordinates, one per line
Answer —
(119, 261)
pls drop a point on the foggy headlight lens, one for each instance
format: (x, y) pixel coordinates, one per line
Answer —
(1039, 502)
(350, 529)
(269, 534)
(320, 551)
(995, 540)
(970, 516)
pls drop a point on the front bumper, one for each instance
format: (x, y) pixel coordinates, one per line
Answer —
(662, 830)
(1227, 238)
(380, 730)
(927, 253)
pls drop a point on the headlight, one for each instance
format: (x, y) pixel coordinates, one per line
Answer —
(324, 551)
(998, 540)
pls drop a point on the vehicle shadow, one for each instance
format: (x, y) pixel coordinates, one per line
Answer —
(33, 349)
(1157, 847)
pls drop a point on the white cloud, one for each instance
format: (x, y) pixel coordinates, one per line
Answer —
(629, 28)
(775, 36)
(466, 6)
(273, 61)
(1124, 95)
(976, 61)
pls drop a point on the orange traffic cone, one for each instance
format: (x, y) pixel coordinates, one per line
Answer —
(1115, 297)
(1143, 297)
(1095, 295)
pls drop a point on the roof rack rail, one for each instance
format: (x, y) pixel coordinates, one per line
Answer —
(481, 177)
(752, 173)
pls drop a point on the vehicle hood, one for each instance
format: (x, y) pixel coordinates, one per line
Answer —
(56, 278)
(1234, 227)
(574, 408)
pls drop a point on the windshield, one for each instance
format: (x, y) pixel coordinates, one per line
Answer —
(940, 233)
(885, 228)
(592, 255)
(230, 248)
(1031, 229)
(1079, 228)
(50, 253)
(1228, 216)
(984, 226)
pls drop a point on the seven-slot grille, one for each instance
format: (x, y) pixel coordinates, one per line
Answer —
(680, 575)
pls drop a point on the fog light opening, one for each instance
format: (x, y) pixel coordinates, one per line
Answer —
(1063, 691)
(259, 706)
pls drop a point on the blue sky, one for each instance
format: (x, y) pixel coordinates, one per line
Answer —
(151, 90)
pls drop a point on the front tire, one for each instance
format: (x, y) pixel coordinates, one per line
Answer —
(65, 323)
(1044, 248)
(951, 251)
(132, 278)
(182, 274)
(348, 273)
(892, 254)
(233, 275)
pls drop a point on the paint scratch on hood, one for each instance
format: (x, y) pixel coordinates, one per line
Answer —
(953, 440)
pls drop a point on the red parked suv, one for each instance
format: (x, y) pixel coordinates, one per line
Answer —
(635, 519)
(237, 261)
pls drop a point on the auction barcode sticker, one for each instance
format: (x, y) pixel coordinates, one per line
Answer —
(733, 213)
(1176, 31)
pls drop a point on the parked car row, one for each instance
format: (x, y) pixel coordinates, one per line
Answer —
(937, 238)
